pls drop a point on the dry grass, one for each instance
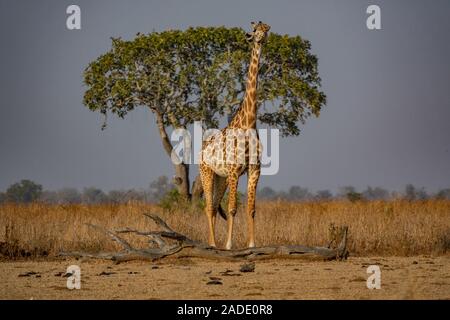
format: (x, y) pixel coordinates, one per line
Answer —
(377, 227)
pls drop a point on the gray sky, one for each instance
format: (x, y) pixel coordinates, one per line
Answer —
(386, 122)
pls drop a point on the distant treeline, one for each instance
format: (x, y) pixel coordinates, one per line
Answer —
(27, 191)
(297, 193)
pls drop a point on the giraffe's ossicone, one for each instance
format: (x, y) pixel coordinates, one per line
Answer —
(227, 155)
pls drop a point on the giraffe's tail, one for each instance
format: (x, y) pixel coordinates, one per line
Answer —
(222, 212)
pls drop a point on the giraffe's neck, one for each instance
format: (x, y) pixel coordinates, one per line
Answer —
(246, 115)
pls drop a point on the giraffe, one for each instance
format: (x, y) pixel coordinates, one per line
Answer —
(223, 159)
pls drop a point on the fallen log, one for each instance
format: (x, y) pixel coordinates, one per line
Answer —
(169, 243)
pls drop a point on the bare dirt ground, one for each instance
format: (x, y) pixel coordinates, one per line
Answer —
(420, 277)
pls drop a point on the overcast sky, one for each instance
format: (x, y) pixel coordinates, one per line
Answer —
(386, 122)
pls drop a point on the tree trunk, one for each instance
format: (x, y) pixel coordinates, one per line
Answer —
(181, 180)
(197, 189)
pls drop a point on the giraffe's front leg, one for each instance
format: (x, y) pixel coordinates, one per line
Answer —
(253, 177)
(233, 179)
(207, 176)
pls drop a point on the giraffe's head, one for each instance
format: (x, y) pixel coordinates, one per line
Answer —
(259, 33)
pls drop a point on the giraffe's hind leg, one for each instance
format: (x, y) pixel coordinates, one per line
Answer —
(207, 176)
(233, 179)
(220, 186)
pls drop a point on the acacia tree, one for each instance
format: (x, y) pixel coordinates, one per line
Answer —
(199, 75)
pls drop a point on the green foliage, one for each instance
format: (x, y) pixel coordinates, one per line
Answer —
(354, 196)
(172, 201)
(350, 193)
(240, 196)
(25, 191)
(200, 74)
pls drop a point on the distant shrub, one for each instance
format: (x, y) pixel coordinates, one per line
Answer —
(94, 195)
(376, 193)
(25, 191)
(160, 187)
(267, 193)
(354, 196)
(443, 194)
(323, 195)
(413, 193)
(173, 201)
(69, 196)
(299, 193)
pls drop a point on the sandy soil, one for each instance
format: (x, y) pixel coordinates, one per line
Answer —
(401, 278)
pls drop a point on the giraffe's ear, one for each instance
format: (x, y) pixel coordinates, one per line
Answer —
(254, 24)
(249, 36)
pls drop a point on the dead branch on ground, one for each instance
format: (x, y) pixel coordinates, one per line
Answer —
(169, 243)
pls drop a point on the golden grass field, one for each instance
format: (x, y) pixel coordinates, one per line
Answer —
(387, 228)
(409, 241)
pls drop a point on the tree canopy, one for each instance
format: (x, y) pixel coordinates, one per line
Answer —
(200, 74)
